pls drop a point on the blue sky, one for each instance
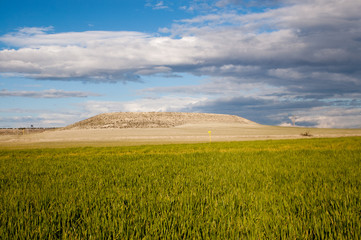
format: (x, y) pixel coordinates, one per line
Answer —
(64, 61)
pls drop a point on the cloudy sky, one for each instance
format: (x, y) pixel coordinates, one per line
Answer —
(62, 61)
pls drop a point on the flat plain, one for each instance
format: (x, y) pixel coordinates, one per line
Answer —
(180, 176)
(190, 133)
(119, 129)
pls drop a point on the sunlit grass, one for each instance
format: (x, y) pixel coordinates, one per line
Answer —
(290, 189)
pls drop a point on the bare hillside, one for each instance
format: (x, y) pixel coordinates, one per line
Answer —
(154, 120)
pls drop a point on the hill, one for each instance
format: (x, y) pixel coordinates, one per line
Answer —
(155, 120)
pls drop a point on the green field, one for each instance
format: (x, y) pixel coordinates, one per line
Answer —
(289, 189)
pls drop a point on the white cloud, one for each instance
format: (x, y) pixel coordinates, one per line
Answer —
(98, 56)
(301, 55)
(91, 108)
(331, 117)
(57, 119)
(277, 39)
(215, 87)
(161, 104)
(50, 93)
(160, 5)
(35, 30)
(157, 6)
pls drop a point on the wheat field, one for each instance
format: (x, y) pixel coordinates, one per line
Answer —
(290, 189)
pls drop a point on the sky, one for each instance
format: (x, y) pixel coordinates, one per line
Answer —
(269, 61)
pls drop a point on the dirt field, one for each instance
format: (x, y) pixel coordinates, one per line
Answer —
(180, 129)
(23, 131)
(182, 134)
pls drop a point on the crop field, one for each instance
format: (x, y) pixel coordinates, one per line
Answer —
(289, 189)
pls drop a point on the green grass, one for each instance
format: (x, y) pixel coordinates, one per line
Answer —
(290, 189)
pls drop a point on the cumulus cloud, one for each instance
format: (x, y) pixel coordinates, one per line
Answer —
(319, 36)
(156, 104)
(50, 93)
(291, 56)
(329, 117)
(95, 56)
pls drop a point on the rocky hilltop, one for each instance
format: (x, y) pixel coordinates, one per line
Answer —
(154, 120)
